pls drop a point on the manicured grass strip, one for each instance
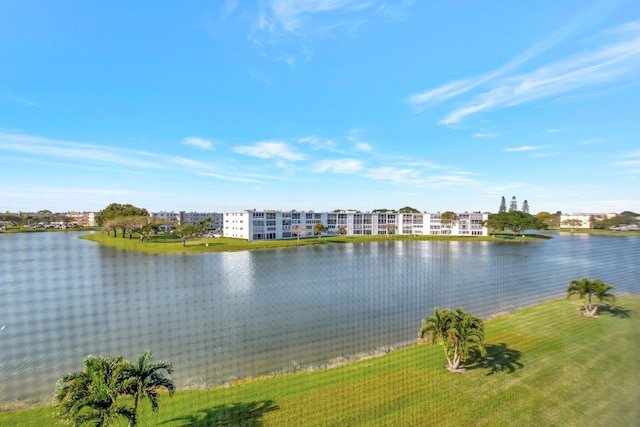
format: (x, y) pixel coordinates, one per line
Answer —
(546, 365)
(164, 244)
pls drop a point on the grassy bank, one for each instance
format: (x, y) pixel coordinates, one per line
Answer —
(546, 365)
(166, 244)
(597, 232)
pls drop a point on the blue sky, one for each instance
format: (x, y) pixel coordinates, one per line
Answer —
(320, 104)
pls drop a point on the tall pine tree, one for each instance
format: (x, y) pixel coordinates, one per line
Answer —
(513, 206)
(503, 206)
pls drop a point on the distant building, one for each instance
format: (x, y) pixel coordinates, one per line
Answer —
(83, 219)
(276, 225)
(195, 217)
(588, 220)
(167, 216)
(183, 217)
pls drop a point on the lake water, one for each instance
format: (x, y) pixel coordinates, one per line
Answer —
(221, 316)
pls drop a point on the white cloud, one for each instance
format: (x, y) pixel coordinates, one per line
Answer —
(205, 144)
(362, 146)
(485, 135)
(413, 177)
(317, 143)
(269, 149)
(344, 166)
(230, 178)
(388, 173)
(40, 147)
(291, 14)
(617, 61)
(522, 148)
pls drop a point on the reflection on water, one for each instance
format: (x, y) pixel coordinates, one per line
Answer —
(221, 316)
(237, 271)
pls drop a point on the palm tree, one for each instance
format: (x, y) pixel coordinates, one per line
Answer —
(146, 377)
(585, 289)
(460, 334)
(91, 397)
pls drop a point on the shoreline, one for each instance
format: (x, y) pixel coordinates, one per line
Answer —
(164, 245)
(198, 384)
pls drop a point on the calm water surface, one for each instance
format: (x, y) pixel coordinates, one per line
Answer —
(221, 316)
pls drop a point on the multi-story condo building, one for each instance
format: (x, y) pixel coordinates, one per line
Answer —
(588, 219)
(191, 217)
(83, 219)
(275, 225)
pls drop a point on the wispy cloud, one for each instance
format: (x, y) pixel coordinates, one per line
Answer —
(420, 101)
(630, 161)
(25, 101)
(485, 135)
(522, 148)
(69, 154)
(318, 143)
(342, 166)
(51, 148)
(355, 138)
(292, 15)
(409, 176)
(284, 30)
(269, 149)
(205, 144)
(618, 60)
(230, 178)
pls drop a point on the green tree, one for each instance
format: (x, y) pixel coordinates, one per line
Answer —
(319, 228)
(586, 289)
(503, 206)
(548, 220)
(145, 378)
(448, 219)
(518, 221)
(408, 209)
(525, 207)
(93, 396)
(513, 205)
(187, 231)
(144, 226)
(341, 230)
(493, 223)
(572, 222)
(116, 210)
(460, 334)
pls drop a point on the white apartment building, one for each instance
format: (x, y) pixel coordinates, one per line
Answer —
(83, 219)
(587, 220)
(275, 225)
(191, 217)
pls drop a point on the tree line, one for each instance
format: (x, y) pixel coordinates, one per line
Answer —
(131, 220)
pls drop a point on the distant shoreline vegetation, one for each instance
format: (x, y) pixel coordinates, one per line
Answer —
(170, 244)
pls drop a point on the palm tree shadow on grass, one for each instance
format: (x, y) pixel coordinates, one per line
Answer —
(620, 312)
(498, 358)
(237, 414)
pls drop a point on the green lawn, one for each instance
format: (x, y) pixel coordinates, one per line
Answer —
(165, 244)
(598, 232)
(546, 365)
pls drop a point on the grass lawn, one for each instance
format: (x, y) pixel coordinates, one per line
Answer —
(598, 232)
(166, 244)
(545, 366)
